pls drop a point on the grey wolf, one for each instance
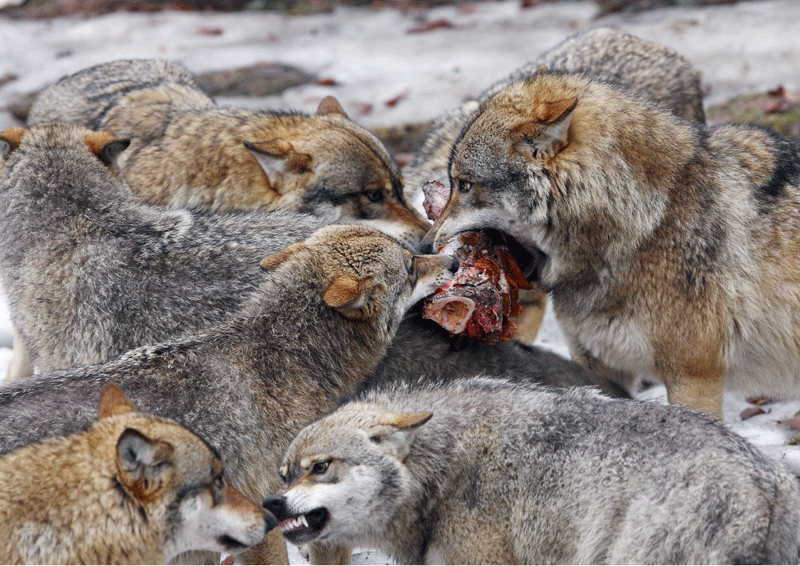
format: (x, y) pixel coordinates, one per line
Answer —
(483, 471)
(609, 55)
(131, 489)
(91, 272)
(669, 248)
(320, 320)
(653, 70)
(185, 150)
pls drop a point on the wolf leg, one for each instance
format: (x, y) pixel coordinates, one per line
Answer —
(21, 365)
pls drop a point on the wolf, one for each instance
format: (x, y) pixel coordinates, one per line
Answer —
(669, 247)
(483, 471)
(320, 320)
(653, 70)
(92, 272)
(186, 150)
(131, 489)
(607, 54)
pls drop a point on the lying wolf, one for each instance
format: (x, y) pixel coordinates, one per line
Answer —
(483, 471)
(131, 489)
(320, 320)
(670, 247)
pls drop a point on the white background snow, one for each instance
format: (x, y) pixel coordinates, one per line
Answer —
(372, 58)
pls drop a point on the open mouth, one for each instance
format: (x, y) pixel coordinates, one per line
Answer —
(529, 261)
(231, 545)
(303, 528)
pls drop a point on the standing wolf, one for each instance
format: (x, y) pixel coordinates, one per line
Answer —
(671, 248)
(131, 489)
(320, 320)
(91, 271)
(185, 150)
(606, 54)
(482, 471)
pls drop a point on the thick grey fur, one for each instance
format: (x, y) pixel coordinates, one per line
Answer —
(507, 473)
(91, 272)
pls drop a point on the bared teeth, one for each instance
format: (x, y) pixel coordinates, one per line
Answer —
(293, 524)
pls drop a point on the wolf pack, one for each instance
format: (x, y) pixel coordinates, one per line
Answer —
(219, 347)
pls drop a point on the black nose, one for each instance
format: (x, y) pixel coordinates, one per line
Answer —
(454, 264)
(270, 520)
(276, 504)
(426, 245)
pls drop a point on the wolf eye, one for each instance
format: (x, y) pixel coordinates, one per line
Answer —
(374, 195)
(320, 467)
(464, 186)
(219, 483)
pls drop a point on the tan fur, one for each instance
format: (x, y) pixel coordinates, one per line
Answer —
(185, 150)
(671, 249)
(80, 498)
(610, 55)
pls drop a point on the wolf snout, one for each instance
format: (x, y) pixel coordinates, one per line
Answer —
(426, 244)
(276, 506)
(454, 264)
(270, 520)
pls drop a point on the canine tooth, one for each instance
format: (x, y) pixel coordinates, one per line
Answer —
(303, 520)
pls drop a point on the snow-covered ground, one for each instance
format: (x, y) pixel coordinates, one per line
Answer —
(384, 73)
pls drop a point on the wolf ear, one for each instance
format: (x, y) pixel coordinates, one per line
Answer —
(395, 432)
(105, 146)
(278, 157)
(142, 464)
(10, 140)
(354, 298)
(548, 133)
(272, 261)
(329, 105)
(113, 401)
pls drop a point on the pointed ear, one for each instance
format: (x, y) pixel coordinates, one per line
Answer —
(143, 464)
(278, 157)
(548, 133)
(354, 298)
(272, 261)
(113, 401)
(10, 140)
(105, 146)
(395, 432)
(329, 105)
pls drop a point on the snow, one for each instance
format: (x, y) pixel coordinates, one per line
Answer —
(373, 58)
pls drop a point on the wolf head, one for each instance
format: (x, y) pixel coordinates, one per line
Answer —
(176, 481)
(344, 476)
(558, 158)
(326, 164)
(366, 275)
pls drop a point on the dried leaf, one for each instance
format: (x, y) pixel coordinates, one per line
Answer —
(210, 31)
(794, 422)
(430, 26)
(751, 412)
